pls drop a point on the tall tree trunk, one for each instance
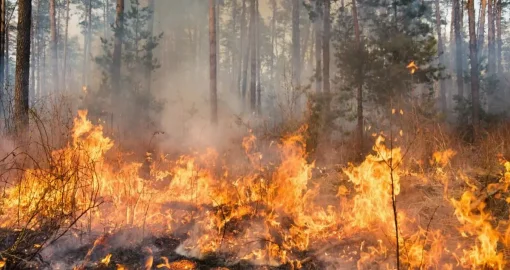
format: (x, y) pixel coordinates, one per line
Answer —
(213, 62)
(318, 49)
(440, 52)
(498, 37)
(481, 26)
(86, 45)
(304, 48)
(37, 38)
(257, 43)
(326, 54)
(106, 13)
(245, 50)
(148, 68)
(274, 8)
(494, 96)
(21, 85)
(296, 65)
(117, 49)
(54, 46)
(359, 96)
(32, 92)
(2, 48)
(253, 56)
(474, 70)
(234, 54)
(491, 67)
(7, 47)
(458, 48)
(89, 43)
(66, 37)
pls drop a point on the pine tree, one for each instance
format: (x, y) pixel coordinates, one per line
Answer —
(213, 62)
(21, 86)
(475, 81)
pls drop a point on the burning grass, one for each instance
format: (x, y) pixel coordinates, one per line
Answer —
(89, 207)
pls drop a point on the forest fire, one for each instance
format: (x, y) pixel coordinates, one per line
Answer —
(271, 214)
(235, 134)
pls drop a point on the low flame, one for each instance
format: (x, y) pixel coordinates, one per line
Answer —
(106, 260)
(412, 67)
(267, 212)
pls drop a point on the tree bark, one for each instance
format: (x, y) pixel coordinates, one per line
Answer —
(296, 66)
(481, 26)
(54, 46)
(21, 85)
(106, 17)
(117, 49)
(2, 48)
(257, 43)
(474, 70)
(253, 56)
(87, 45)
(440, 52)
(245, 50)
(148, 68)
(318, 49)
(359, 93)
(274, 7)
(326, 55)
(458, 48)
(66, 37)
(304, 49)
(494, 96)
(213, 62)
(32, 92)
(491, 67)
(6, 60)
(234, 54)
(498, 37)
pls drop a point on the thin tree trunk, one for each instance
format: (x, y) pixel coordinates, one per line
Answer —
(39, 55)
(21, 85)
(2, 48)
(304, 48)
(326, 54)
(296, 65)
(32, 92)
(257, 43)
(64, 71)
(498, 37)
(105, 18)
(213, 62)
(318, 50)
(474, 70)
(253, 56)
(7, 47)
(246, 51)
(458, 48)
(89, 43)
(359, 97)
(117, 49)
(54, 46)
(491, 67)
(481, 26)
(494, 96)
(234, 54)
(148, 68)
(440, 52)
(274, 7)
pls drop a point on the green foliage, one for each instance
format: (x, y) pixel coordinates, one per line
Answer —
(393, 34)
(138, 45)
(82, 7)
